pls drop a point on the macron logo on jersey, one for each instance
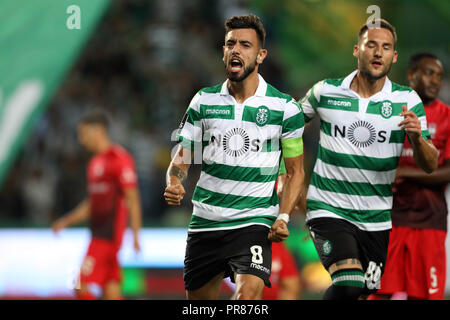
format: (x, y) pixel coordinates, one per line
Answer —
(339, 103)
(218, 112)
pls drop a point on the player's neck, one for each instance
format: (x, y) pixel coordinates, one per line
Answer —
(103, 146)
(427, 101)
(366, 87)
(244, 89)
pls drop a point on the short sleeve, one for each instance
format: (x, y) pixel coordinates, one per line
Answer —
(293, 121)
(126, 173)
(292, 130)
(190, 129)
(415, 105)
(310, 102)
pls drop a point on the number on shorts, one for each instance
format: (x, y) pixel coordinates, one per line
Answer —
(373, 275)
(433, 276)
(256, 254)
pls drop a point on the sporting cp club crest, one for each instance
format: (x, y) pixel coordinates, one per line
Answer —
(386, 109)
(327, 247)
(262, 116)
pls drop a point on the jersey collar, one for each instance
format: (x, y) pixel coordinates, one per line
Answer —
(387, 87)
(260, 91)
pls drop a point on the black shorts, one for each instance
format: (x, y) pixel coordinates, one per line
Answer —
(337, 239)
(244, 250)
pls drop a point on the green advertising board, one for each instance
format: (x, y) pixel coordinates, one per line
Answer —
(39, 42)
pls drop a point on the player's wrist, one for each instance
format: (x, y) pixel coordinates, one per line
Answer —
(173, 182)
(284, 217)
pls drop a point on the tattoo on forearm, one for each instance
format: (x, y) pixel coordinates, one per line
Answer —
(177, 172)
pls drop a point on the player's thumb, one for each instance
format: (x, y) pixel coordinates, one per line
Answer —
(172, 189)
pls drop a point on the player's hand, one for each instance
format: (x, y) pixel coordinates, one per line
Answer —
(58, 225)
(411, 124)
(279, 231)
(174, 194)
(136, 244)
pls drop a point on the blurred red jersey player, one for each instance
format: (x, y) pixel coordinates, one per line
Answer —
(284, 275)
(112, 194)
(415, 265)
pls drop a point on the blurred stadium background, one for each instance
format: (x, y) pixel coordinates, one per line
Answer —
(143, 60)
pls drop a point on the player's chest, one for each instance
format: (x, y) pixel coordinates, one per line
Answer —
(100, 170)
(246, 119)
(362, 122)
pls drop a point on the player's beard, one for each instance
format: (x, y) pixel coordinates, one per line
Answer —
(247, 70)
(365, 70)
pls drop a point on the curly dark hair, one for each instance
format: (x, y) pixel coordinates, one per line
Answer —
(249, 21)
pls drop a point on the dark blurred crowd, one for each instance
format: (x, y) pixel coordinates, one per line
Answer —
(143, 63)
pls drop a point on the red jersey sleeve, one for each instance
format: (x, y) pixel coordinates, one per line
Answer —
(126, 172)
(287, 260)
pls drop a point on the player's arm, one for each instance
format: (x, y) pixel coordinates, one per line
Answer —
(292, 151)
(309, 104)
(128, 182)
(281, 178)
(293, 183)
(133, 201)
(176, 175)
(190, 137)
(439, 176)
(425, 153)
(301, 203)
(280, 184)
(293, 159)
(78, 215)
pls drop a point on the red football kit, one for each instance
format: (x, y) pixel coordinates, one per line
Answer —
(108, 175)
(283, 266)
(416, 254)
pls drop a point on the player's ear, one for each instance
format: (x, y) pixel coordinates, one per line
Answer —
(355, 50)
(262, 54)
(394, 60)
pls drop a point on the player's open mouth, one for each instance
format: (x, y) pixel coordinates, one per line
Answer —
(236, 65)
(377, 64)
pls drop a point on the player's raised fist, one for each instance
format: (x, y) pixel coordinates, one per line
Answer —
(174, 194)
(279, 231)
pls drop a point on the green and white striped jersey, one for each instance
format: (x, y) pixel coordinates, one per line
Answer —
(241, 149)
(359, 149)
